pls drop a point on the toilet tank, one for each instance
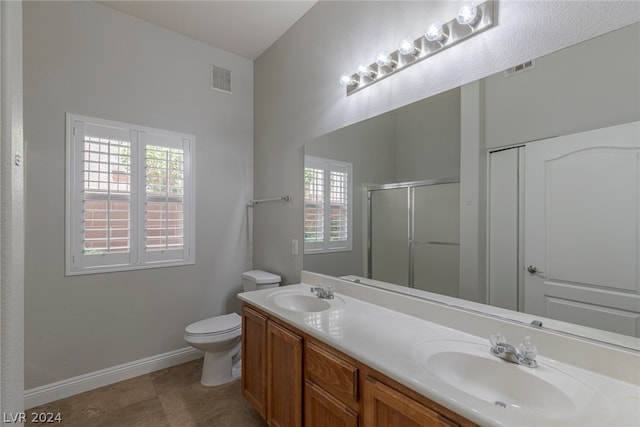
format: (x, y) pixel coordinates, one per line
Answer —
(258, 279)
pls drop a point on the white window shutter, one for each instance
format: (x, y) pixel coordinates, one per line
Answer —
(328, 202)
(130, 197)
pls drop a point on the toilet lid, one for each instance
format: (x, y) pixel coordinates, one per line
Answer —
(216, 325)
(261, 277)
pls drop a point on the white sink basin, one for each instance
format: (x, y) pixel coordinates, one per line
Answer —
(543, 391)
(303, 302)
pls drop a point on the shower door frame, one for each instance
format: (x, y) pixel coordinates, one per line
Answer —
(410, 186)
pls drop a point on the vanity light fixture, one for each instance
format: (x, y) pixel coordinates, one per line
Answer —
(472, 19)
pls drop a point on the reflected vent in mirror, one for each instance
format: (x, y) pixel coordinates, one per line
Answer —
(220, 79)
(520, 68)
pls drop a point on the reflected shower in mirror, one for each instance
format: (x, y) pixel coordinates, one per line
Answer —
(414, 234)
(398, 238)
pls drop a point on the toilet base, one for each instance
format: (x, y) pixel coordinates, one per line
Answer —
(217, 368)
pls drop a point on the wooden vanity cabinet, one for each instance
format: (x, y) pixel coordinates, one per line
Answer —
(333, 390)
(271, 369)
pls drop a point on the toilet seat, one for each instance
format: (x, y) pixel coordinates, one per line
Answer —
(218, 325)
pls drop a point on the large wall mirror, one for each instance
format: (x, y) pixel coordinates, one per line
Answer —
(413, 170)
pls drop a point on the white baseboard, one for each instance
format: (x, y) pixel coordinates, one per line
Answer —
(59, 390)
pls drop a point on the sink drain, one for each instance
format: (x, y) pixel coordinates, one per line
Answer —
(500, 404)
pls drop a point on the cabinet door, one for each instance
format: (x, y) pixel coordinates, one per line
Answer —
(322, 410)
(384, 406)
(284, 377)
(254, 363)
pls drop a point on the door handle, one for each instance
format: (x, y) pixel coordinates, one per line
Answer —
(533, 269)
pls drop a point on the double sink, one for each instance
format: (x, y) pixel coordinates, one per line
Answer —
(465, 367)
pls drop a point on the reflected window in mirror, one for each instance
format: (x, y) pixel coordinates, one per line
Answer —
(327, 205)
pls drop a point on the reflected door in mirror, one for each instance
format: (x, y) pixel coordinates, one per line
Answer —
(582, 228)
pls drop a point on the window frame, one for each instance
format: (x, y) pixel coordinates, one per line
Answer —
(79, 263)
(326, 245)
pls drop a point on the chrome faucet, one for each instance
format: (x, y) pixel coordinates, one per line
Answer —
(322, 291)
(526, 356)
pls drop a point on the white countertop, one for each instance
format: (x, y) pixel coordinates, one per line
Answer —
(388, 341)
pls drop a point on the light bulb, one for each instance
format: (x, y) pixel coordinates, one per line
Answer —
(346, 80)
(468, 14)
(407, 46)
(435, 32)
(383, 59)
(365, 71)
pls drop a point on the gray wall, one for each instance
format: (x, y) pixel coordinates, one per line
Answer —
(85, 58)
(428, 139)
(297, 97)
(588, 86)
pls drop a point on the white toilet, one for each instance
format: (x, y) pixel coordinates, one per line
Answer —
(220, 336)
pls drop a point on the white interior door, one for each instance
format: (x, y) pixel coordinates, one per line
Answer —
(582, 228)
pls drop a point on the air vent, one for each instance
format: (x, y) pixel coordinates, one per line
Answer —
(525, 66)
(220, 79)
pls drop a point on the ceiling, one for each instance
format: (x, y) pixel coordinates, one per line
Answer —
(246, 28)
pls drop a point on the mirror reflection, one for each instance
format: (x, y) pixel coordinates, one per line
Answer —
(519, 190)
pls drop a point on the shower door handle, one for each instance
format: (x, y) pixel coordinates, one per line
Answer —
(417, 242)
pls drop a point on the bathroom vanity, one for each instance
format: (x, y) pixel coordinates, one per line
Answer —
(369, 357)
(288, 376)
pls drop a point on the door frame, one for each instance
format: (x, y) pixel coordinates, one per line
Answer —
(12, 208)
(520, 223)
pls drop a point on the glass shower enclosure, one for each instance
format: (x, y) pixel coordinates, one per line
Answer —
(413, 234)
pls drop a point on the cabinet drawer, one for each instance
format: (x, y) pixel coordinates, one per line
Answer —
(332, 373)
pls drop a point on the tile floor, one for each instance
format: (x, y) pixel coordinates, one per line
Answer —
(171, 397)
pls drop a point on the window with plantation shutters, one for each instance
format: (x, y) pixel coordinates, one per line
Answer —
(130, 197)
(327, 205)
